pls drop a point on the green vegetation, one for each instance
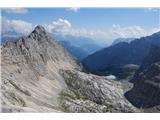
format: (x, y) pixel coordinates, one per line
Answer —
(68, 94)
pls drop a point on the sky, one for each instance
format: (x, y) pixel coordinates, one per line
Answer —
(103, 24)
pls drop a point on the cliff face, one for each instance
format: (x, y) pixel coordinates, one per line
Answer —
(146, 91)
(30, 73)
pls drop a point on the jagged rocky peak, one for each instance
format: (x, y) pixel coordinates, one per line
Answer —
(39, 30)
(40, 34)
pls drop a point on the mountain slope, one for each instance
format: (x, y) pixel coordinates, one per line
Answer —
(146, 91)
(92, 93)
(30, 73)
(38, 75)
(121, 54)
(9, 36)
(76, 52)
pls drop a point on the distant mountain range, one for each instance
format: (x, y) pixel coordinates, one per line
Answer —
(76, 52)
(119, 40)
(121, 54)
(79, 47)
(9, 36)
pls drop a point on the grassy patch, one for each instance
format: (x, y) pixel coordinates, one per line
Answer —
(72, 95)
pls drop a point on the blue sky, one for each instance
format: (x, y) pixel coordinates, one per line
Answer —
(91, 20)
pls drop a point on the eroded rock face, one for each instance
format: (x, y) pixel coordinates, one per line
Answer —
(107, 95)
(30, 78)
(146, 91)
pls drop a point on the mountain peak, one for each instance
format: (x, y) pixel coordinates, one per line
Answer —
(39, 27)
(40, 34)
(39, 30)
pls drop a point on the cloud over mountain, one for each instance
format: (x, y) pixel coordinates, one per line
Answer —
(131, 31)
(74, 9)
(61, 25)
(18, 26)
(64, 26)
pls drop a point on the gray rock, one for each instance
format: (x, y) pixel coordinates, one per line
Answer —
(99, 90)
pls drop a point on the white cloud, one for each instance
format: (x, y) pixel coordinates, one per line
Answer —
(125, 32)
(61, 26)
(64, 27)
(116, 31)
(154, 30)
(15, 10)
(96, 34)
(74, 9)
(62, 23)
(152, 9)
(18, 26)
